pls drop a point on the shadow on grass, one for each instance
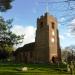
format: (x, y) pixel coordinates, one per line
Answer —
(30, 73)
(34, 69)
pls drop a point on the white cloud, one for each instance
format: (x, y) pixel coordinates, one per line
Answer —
(70, 35)
(73, 21)
(61, 22)
(61, 19)
(61, 37)
(71, 24)
(71, 29)
(28, 31)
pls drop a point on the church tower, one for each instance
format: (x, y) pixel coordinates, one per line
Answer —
(47, 39)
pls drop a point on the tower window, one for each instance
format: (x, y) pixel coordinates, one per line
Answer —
(53, 32)
(41, 24)
(52, 25)
(52, 39)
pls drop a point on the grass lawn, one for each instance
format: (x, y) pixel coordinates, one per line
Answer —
(33, 69)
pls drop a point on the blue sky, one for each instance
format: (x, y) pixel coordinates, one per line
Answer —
(26, 12)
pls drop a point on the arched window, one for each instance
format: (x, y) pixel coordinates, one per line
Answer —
(52, 40)
(52, 25)
(41, 24)
(53, 33)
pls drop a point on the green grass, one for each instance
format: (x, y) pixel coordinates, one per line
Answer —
(33, 69)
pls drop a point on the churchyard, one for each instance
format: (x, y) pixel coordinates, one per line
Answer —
(46, 48)
(33, 69)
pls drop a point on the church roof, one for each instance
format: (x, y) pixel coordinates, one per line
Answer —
(27, 47)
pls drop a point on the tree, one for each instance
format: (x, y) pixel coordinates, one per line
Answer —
(7, 37)
(5, 5)
(68, 54)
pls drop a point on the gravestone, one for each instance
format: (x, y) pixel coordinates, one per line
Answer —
(24, 68)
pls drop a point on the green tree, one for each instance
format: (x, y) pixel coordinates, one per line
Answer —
(5, 5)
(7, 37)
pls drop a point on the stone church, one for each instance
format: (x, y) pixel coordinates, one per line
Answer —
(46, 45)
